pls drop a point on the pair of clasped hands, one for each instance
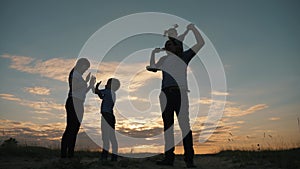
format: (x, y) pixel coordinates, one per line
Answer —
(92, 79)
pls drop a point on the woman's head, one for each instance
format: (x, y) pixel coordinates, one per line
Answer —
(113, 84)
(82, 65)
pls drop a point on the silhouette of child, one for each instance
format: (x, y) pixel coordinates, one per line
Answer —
(108, 120)
(173, 35)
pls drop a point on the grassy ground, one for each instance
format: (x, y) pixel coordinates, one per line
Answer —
(43, 158)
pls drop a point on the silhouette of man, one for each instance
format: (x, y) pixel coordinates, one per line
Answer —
(174, 96)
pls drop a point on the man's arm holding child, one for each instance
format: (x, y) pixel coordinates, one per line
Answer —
(154, 67)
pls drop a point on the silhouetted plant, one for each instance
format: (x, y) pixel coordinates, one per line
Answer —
(11, 142)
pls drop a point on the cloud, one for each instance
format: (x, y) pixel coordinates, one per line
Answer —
(211, 133)
(140, 132)
(41, 118)
(132, 75)
(237, 111)
(46, 135)
(9, 97)
(240, 122)
(232, 109)
(208, 101)
(218, 93)
(28, 132)
(56, 68)
(40, 107)
(274, 118)
(38, 90)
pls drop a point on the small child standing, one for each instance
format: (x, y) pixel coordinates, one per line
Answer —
(108, 119)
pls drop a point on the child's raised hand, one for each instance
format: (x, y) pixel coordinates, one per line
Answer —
(98, 84)
(190, 26)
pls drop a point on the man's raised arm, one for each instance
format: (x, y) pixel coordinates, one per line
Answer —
(154, 67)
(199, 38)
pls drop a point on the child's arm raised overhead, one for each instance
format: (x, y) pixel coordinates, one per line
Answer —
(97, 91)
(182, 36)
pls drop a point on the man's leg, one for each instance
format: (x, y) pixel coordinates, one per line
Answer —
(168, 119)
(182, 113)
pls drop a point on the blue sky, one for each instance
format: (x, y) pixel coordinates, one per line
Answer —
(257, 41)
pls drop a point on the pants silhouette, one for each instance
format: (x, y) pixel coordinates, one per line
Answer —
(75, 109)
(108, 122)
(176, 100)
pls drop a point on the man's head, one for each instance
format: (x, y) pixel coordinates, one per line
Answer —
(113, 84)
(174, 46)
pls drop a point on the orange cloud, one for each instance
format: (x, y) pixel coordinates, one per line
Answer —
(9, 97)
(32, 134)
(40, 107)
(38, 90)
(274, 118)
(133, 75)
(237, 111)
(56, 68)
(218, 93)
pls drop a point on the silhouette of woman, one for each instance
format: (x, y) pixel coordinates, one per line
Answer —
(74, 105)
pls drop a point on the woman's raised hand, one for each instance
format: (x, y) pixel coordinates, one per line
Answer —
(87, 79)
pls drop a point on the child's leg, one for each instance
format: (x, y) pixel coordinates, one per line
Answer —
(105, 138)
(114, 143)
(113, 139)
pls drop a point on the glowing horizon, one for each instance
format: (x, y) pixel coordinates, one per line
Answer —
(258, 50)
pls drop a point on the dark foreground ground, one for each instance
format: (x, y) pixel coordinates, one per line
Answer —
(43, 158)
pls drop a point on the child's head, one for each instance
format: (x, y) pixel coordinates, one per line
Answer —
(113, 84)
(172, 32)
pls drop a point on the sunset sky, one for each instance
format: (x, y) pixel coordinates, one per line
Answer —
(257, 42)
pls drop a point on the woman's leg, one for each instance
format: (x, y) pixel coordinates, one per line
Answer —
(74, 110)
(67, 134)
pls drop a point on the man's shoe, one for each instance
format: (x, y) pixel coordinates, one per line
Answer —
(190, 165)
(165, 162)
(114, 157)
